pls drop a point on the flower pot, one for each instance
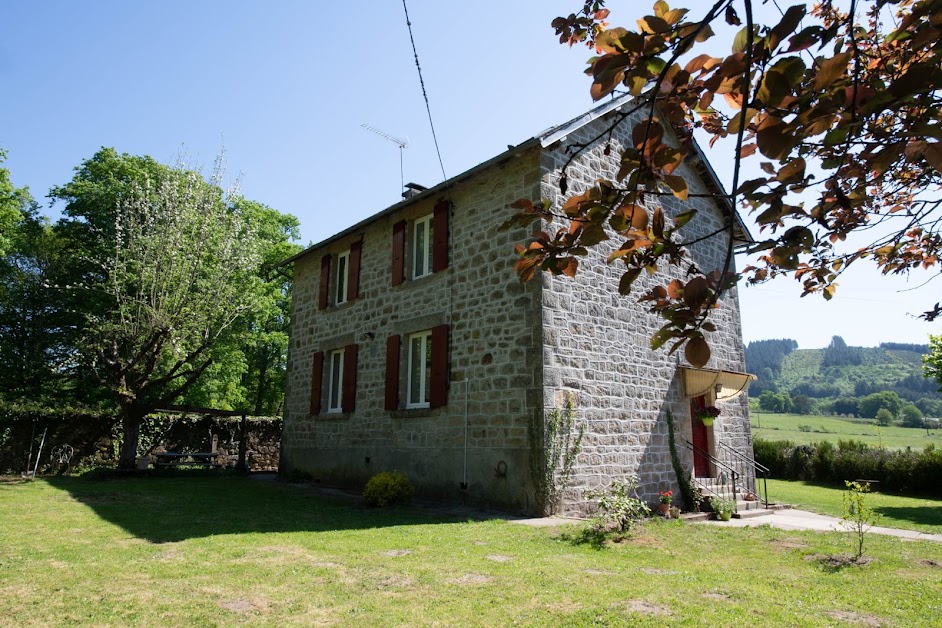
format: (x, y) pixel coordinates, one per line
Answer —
(724, 516)
(665, 509)
(675, 512)
(707, 420)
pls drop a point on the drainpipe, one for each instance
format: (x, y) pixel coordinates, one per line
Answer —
(464, 484)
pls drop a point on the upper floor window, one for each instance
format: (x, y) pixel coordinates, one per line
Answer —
(343, 280)
(345, 271)
(426, 242)
(422, 247)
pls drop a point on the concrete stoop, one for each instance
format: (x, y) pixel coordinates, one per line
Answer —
(750, 513)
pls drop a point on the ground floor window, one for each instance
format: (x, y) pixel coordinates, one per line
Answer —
(420, 369)
(335, 381)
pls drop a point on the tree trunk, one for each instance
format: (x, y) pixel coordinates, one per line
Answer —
(131, 425)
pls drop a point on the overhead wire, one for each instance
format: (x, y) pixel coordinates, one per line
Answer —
(424, 93)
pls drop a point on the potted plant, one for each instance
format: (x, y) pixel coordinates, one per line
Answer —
(675, 512)
(708, 414)
(666, 498)
(722, 507)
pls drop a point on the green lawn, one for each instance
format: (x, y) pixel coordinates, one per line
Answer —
(200, 550)
(770, 426)
(911, 513)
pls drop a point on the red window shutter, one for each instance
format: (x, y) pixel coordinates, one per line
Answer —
(348, 401)
(317, 372)
(440, 237)
(399, 253)
(353, 281)
(325, 281)
(438, 393)
(392, 373)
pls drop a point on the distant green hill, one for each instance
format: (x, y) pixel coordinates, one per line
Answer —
(814, 379)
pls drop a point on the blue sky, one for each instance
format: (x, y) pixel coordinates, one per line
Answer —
(285, 86)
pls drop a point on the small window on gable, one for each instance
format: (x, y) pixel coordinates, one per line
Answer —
(420, 370)
(422, 248)
(343, 264)
(335, 381)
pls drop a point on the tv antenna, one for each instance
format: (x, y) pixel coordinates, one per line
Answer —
(402, 144)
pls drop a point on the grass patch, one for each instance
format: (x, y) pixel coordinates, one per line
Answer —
(820, 428)
(200, 550)
(910, 513)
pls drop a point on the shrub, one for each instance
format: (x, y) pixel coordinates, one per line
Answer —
(771, 453)
(388, 488)
(904, 471)
(619, 507)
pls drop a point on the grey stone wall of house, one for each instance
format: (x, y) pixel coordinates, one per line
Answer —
(495, 393)
(596, 343)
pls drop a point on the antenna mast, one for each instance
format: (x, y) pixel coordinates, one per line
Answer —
(402, 144)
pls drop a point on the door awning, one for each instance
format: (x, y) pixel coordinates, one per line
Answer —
(721, 384)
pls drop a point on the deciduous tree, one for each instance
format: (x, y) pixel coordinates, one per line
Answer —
(173, 264)
(840, 105)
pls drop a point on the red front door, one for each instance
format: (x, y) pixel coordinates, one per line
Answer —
(701, 443)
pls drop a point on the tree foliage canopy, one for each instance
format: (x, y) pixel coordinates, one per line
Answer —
(840, 107)
(154, 288)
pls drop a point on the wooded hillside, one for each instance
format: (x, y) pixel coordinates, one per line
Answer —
(841, 379)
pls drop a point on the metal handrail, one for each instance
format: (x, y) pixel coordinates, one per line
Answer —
(757, 467)
(718, 463)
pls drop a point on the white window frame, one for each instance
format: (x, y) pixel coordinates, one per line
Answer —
(343, 275)
(422, 255)
(335, 405)
(425, 338)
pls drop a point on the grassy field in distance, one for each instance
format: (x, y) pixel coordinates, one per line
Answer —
(769, 426)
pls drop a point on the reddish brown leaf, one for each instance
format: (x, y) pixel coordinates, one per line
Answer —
(787, 26)
(696, 292)
(793, 172)
(678, 186)
(653, 25)
(747, 150)
(829, 71)
(675, 289)
(697, 352)
(933, 155)
(657, 223)
(568, 266)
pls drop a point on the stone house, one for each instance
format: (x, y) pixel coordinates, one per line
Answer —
(414, 346)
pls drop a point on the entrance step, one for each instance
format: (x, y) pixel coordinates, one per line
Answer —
(695, 516)
(748, 514)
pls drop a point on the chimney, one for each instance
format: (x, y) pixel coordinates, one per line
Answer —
(413, 189)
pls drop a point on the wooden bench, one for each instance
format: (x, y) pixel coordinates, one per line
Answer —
(173, 458)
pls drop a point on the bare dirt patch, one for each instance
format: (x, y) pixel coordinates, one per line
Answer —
(237, 606)
(716, 596)
(397, 552)
(472, 578)
(395, 581)
(854, 617)
(599, 572)
(647, 608)
(838, 561)
(787, 545)
(499, 558)
(925, 562)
